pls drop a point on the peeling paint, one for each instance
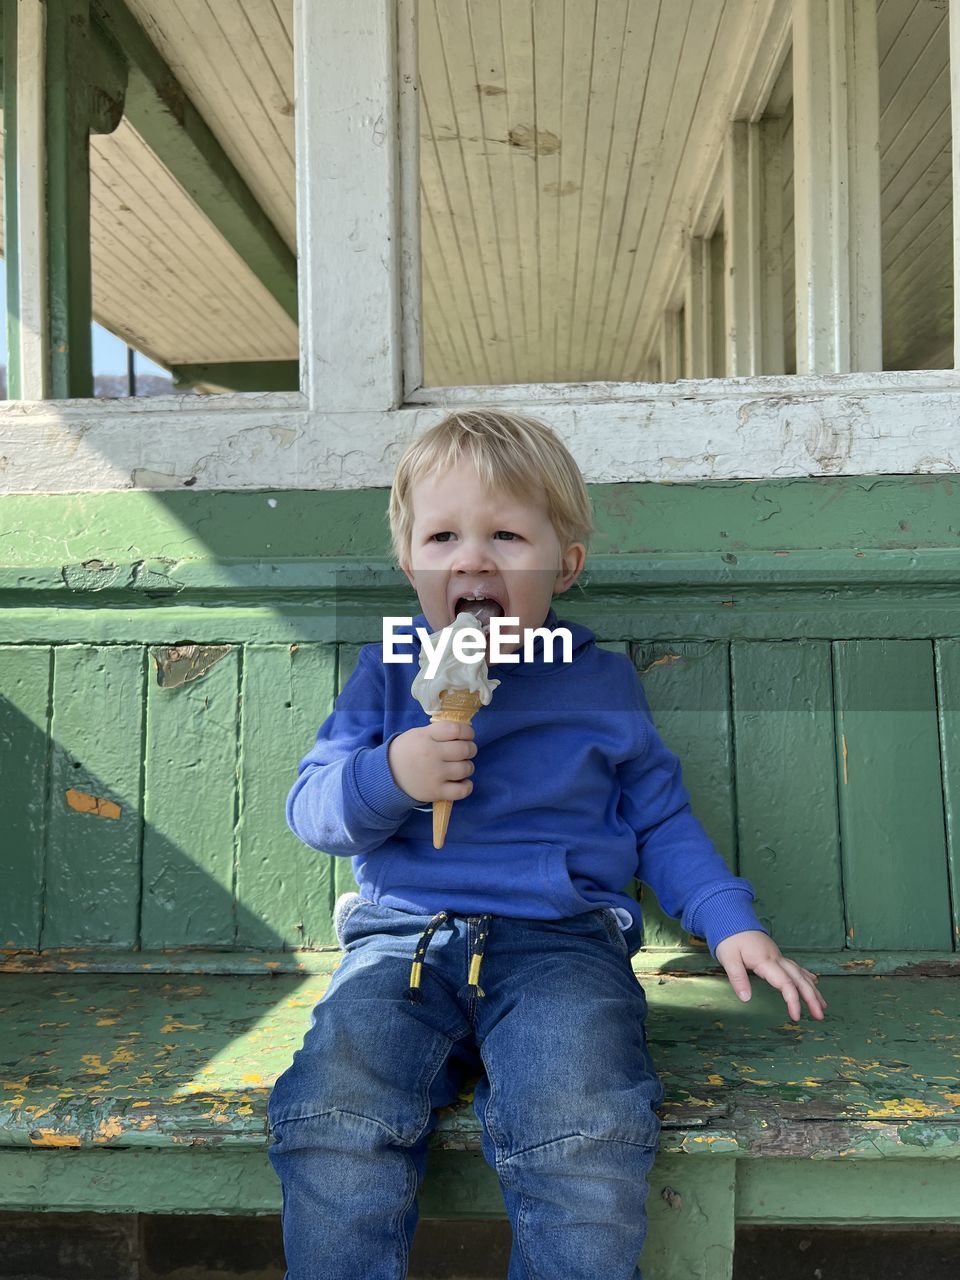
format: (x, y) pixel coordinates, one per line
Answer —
(537, 142)
(177, 665)
(83, 802)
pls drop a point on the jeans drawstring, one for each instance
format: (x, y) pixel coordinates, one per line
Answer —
(472, 988)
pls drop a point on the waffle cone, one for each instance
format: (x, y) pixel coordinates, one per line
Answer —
(460, 705)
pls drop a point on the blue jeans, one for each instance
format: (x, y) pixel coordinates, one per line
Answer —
(566, 1098)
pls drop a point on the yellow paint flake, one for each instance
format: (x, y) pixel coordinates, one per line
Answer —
(714, 1079)
(251, 1077)
(48, 1138)
(108, 1129)
(171, 1025)
(895, 1108)
(953, 1099)
(107, 1022)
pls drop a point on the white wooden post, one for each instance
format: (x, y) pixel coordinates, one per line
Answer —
(837, 185)
(766, 241)
(29, 258)
(955, 114)
(739, 273)
(348, 214)
(698, 309)
(670, 345)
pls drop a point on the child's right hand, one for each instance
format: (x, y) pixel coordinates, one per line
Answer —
(434, 762)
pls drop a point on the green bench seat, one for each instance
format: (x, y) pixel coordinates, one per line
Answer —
(146, 1089)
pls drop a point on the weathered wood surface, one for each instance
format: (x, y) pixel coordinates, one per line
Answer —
(160, 1061)
(618, 432)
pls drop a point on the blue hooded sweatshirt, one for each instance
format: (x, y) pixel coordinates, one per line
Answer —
(574, 795)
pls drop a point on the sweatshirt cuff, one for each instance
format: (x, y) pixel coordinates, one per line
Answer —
(376, 787)
(725, 912)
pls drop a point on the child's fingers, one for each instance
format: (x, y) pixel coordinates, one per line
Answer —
(807, 984)
(738, 978)
(450, 730)
(455, 790)
(457, 749)
(780, 979)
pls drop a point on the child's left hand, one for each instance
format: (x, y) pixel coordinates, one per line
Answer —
(760, 954)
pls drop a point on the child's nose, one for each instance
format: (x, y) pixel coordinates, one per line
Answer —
(473, 557)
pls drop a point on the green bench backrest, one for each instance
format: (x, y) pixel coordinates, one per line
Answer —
(142, 815)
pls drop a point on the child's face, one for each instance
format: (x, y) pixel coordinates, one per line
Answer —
(467, 541)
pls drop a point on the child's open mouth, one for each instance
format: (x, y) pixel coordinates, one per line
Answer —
(482, 609)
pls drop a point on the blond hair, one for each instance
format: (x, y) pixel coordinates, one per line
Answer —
(508, 452)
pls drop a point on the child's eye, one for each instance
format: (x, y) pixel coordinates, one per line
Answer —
(506, 533)
(441, 537)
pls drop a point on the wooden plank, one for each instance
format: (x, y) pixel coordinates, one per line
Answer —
(786, 788)
(891, 802)
(93, 858)
(190, 771)
(947, 662)
(688, 688)
(452, 252)
(24, 735)
(841, 1191)
(341, 869)
(284, 891)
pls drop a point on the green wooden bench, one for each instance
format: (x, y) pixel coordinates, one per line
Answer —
(164, 937)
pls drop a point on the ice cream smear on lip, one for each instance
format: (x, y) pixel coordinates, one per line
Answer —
(450, 672)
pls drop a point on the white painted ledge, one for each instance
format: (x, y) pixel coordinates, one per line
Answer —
(732, 429)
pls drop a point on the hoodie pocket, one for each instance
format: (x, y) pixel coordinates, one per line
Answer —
(526, 878)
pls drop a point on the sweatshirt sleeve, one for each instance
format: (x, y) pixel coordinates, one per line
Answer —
(345, 800)
(675, 856)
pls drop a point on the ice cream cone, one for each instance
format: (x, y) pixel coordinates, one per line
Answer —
(460, 705)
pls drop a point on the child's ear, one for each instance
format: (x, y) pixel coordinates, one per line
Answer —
(571, 567)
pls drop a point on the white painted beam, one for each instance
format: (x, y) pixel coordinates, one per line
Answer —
(32, 374)
(618, 432)
(348, 203)
(837, 185)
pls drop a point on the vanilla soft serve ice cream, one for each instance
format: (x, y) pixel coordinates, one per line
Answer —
(450, 672)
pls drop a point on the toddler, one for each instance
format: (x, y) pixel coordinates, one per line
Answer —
(505, 954)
